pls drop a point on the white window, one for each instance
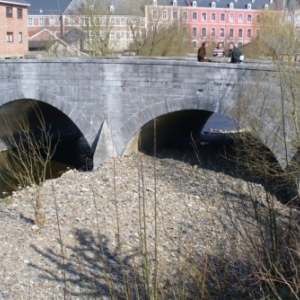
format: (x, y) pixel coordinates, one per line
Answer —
(213, 17)
(213, 32)
(122, 22)
(112, 21)
(249, 33)
(174, 2)
(249, 6)
(52, 21)
(165, 14)
(184, 16)
(9, 37)
(231, 5)
(154, 15)
(203, 32)
(20, 37)
(102, 22)
(133, 21)
(240, 33)
(41, 21)
(204, 16)
(222, 32)
(194, 3)
(195, 17)
(175, 15)
(213, 4)
(123, 35)
(112, 35)
(82, 21)
(231, 33)
(249, 18)
(30, 22)
(241, 18)
(231, 18)
(194, 31)
(222, 17)
(72, 21)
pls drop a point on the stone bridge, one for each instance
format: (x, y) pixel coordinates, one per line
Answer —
(105, 107)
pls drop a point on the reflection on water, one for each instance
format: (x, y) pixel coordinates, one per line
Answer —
(220, 122)
(57, 169)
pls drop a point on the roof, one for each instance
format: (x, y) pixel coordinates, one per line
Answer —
(240, 4)
(74, 35)
(47, 7)
(15, 2)
(120, 7)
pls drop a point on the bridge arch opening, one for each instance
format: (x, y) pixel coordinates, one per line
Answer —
(172, 129)
(219, 152)
(71, 146)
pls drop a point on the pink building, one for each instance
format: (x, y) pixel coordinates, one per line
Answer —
(211, 20)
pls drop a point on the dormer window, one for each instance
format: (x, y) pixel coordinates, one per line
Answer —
(175, 3)
(249, 6)
(154, 2)
(111, 9)
(194, 3)
(213, 4)
(271, 1)
(266, 7)
(253, 1)
(231, 5)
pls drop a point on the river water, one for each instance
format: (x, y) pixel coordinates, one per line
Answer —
(220, 122)
(57, 169)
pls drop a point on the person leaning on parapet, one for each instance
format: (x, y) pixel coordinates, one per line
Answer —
(202, 53)
(236, 54)
(230, 50)
(219, 51)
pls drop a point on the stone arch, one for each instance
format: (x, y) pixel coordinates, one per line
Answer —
(127, 132)
(126, 137)
(70, 111)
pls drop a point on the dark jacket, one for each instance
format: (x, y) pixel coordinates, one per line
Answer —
(235, 55)
(202, 54)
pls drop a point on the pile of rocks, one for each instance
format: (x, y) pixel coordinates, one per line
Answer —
(100, 224)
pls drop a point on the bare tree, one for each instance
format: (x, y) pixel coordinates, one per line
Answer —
(28, 157)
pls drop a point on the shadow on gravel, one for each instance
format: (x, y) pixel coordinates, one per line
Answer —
(93, 271)
(220, 157)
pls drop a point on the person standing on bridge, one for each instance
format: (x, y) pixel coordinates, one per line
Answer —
(219, 51)
(202, 53)
(236, 54)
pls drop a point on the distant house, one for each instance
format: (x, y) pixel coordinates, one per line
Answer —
(116, 25)
(13, 28)
(46, 43)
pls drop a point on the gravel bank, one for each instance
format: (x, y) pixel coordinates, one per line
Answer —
(101, 210)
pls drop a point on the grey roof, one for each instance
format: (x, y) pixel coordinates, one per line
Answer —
(240, 4)
(73, 35)
(47, 7)
(121, 7)
(17, 2)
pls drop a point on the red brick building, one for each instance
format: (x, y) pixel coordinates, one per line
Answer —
(13, 28)
(211, 20)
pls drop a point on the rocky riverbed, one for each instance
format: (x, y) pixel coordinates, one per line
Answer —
(99, 225)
